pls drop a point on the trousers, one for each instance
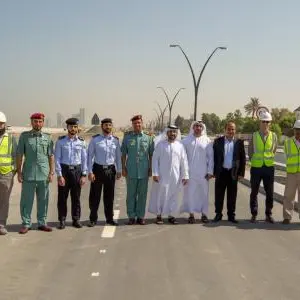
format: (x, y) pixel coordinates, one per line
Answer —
(6, 184)
(29, 188)
(72, 184)
(105, 177)
(292, 185)
(225, 182)
(266, 175)
(136, 197)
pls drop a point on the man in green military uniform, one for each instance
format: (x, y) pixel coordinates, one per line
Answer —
(137, 149)
(36, 173)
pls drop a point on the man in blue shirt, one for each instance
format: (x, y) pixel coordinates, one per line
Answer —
(71, 169)
(104, 166)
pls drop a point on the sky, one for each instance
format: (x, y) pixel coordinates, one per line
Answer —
(110, 56)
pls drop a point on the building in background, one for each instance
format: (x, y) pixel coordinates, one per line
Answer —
(82, 116)
(59, 120)
(297, 113)
(95, 120)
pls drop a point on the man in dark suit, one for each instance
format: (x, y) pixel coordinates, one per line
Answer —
(229, 167)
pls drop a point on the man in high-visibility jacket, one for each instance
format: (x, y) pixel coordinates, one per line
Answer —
(8, 147)
(261, 151)
(292, 152)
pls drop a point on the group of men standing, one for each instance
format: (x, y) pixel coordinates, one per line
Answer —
(176, 165)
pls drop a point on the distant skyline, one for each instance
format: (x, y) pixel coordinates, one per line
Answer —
(110, 56)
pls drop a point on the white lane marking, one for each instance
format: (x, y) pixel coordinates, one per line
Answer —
(95, 274)
(109, 231)
(102, 251)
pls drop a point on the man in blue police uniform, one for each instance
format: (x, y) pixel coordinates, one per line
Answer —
(104, 166)
(71, 169)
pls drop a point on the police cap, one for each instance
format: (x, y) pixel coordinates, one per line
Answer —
(106, 120)
(72, 121)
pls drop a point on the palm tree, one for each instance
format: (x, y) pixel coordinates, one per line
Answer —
(252, 106)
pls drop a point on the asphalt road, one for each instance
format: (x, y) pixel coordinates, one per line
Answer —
(224, 261)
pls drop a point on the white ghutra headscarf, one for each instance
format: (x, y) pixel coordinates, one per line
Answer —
(163, 136)
(203, 133)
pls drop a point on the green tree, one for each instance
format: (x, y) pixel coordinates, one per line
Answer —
(252, 106)
(276, 128)
(212, 122)
(280, 113)
(179, 122)
(250, 125)
(287, 122)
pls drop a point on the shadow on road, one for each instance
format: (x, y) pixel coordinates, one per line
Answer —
(246, 225)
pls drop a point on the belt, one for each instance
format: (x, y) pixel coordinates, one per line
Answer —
(104, 166)
(71, 167)
(227, 169)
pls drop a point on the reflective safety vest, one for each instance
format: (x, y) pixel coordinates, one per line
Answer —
(263, 153)
(292, 156)
(6, 160)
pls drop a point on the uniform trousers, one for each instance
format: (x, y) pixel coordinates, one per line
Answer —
(292, 185)
(105, 177)
(266, 175)
(6, 184)
(72, 175)
(29, 189)
(136, 197)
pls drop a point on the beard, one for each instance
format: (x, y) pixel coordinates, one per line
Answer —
(2, 131)
(72, 132)
(107, 130)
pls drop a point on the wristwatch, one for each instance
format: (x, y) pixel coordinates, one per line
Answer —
(51, 173)
(83, 175)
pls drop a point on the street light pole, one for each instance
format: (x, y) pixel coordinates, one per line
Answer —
(162, 114)
(197, 83)
(170, 103)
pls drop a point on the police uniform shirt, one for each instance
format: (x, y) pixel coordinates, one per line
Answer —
(37, 147)
(71, 152)
(104, 150)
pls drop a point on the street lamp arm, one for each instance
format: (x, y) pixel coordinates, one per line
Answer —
(176, 96)
(207, 61)
(167, 97)
(189, 63)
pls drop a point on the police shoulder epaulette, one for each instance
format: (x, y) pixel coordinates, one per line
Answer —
(61, 137)
(81, 138)
(95, 135)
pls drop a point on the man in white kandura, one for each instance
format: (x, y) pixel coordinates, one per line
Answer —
(201, 165)
(170, 172)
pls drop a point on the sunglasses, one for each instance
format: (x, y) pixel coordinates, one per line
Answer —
(266, 122)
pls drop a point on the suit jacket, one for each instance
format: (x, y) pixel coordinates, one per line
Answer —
(238, 161)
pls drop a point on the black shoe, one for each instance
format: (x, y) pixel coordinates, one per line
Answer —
(112, 223)
(217, 218)
(62, 225)
(270, 219)
(204, 219)
(233, 220)
(172, 220)
(76, 224)
(253, 219)
(92, 224)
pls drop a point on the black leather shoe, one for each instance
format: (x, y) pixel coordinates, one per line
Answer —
(233, 220)
(112, 223)
(253, 219)
(92, 224)
(62, 225)
(217, 218)
(270, 219)
(76, 224)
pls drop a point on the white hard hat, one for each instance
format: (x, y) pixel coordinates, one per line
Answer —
(297, 124)
(2, 117)
(265, 116)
